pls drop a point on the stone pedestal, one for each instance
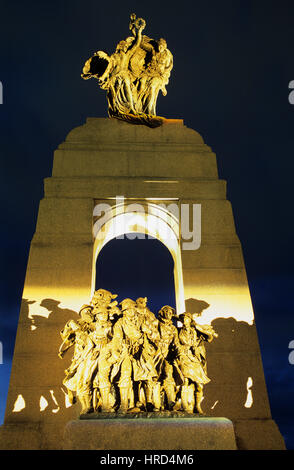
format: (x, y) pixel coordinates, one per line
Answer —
(150, 434)
(98, 161)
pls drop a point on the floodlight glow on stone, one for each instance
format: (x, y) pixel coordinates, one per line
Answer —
(55, 401)
(19, 404)
(43, 403)
(249, 399)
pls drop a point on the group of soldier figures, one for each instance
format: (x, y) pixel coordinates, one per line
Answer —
(125, 359)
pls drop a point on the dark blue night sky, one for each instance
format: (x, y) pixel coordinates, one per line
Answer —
(133, 268)
(233, 61)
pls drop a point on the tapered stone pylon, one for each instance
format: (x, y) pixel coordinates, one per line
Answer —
(171, 165)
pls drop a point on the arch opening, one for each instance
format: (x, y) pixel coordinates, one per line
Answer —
(146, 221)
(137, 268)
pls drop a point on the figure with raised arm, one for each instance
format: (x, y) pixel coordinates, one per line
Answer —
(133, 75)
(192, 361)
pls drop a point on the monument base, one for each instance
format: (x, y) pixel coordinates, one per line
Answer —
(199, 433)
(214, 433)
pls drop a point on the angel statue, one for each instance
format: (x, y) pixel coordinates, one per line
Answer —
(133, 75)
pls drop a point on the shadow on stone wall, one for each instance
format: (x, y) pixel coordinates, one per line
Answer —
(233, 373)
(42, 333)
(196, 306)
(233, 366)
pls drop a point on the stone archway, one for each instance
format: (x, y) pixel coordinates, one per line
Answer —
(145, 218)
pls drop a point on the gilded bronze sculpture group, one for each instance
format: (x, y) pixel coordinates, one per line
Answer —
(128, 360)
(133, 75)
